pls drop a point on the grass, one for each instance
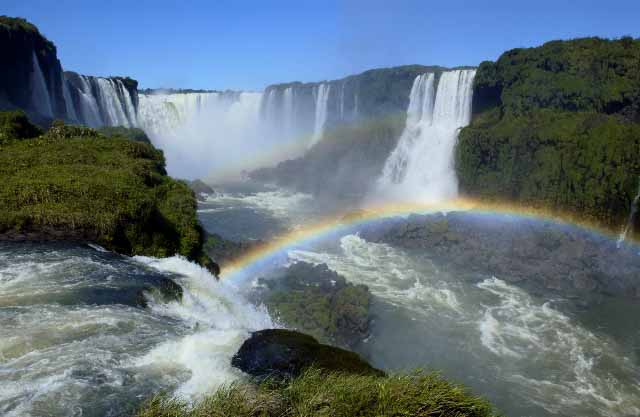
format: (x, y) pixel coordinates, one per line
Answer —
(336, 395)
(75, 183)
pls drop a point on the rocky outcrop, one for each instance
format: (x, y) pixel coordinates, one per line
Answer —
(557, 127)
(284, 354)
(542, 255)
(319, 302)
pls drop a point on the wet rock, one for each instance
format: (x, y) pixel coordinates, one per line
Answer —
(163, 289)
(283, 354)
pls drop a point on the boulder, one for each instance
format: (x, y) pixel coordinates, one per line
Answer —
(284, 354)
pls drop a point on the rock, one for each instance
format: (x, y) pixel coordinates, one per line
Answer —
(201, 189)
(284, 354)
(318, 301)
(164, 289)
(210, 265)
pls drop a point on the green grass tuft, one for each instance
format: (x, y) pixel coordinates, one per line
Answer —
(337, 395)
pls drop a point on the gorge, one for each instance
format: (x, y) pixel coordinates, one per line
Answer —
(466, 220)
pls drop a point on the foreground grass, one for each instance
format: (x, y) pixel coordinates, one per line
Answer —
(337, 395)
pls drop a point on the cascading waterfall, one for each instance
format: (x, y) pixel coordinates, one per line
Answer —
(88, 104)
(68, 101)
(99, 101)
(632, 216)
(40, 99)
(198, 131)
(421, 167)
(111, 102)
(322, 99)
(288, 109)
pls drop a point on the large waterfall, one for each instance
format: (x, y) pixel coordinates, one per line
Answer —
(98, 101)
(422, 167)
(206, 134)
(40, 97)
(322, 98)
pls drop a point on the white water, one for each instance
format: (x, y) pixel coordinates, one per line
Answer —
(492, 331)
(68, 101)
(88, 104)
(421, 168)
(321, 94)
(112, 104)
(288, 110)
(223, 318)
(62, 354)
(40, 99)
(102, 102)
(214, 135)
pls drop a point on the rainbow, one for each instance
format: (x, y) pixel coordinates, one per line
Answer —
(269, 251)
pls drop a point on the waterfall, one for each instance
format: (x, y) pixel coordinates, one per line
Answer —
(342, 100)
(112, 103)
(632, 215)
(88, 104)
(40, 99)
(209, 134)
(68, 101)
(421, 168)
(355, 106)
(321, 94)
(97, 101)
(288, 109)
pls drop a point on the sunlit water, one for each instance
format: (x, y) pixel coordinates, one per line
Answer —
(73, 343)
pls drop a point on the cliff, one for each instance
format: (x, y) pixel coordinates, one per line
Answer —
(557, 127)
(32, 79)
(30, 73)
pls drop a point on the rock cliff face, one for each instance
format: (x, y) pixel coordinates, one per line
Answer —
(32, 79)
(557, 126)
(30, 73)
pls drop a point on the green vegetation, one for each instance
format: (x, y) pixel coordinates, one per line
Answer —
(16, 125)
(334, 394)
(73, 183)
(317, 301)
(344, 163)
(130, 133)
(558, 127)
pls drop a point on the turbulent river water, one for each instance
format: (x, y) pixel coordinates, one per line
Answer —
(74, 339)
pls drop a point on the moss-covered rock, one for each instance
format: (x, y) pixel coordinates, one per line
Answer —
(320, 302)
(557, 127)
(285, 354)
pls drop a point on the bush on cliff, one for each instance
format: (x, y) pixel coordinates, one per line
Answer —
(557, 126)
(16, 125)
(73, 183)
(317, 393)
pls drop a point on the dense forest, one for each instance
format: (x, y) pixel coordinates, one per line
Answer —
(557, 126)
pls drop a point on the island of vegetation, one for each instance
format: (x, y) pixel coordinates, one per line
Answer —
(74, 183)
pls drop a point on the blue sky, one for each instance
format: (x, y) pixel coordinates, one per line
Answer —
(250, 44)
